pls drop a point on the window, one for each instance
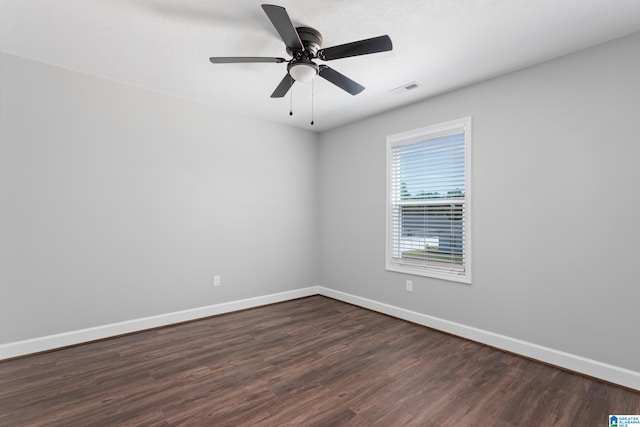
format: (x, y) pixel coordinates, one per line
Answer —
(428, 192)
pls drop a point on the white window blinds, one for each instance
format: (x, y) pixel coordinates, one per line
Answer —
(428, 217)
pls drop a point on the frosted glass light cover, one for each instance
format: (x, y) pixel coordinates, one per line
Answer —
(302, 72)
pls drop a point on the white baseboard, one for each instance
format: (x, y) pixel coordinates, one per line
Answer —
(50, 342)
(592, 368)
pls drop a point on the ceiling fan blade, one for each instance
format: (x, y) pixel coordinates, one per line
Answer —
(362, 47)
(283, 87)
(340, 80)
(280, 19)
(243, 59)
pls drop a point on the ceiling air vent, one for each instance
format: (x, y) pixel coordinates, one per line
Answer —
(405, 88)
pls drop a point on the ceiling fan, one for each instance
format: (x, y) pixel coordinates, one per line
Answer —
(303, 44)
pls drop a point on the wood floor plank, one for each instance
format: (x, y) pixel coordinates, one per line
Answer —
(308, 362)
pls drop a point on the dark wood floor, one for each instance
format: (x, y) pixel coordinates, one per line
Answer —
(308, 362)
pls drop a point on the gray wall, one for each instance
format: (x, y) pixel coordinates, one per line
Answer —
(120, 203)
(555, 206)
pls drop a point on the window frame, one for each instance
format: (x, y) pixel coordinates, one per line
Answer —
(417, 135)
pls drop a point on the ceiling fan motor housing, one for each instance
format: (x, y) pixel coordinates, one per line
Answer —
(311, 40)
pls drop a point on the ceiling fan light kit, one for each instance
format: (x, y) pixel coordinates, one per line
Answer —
(304, 45)
(302, 71)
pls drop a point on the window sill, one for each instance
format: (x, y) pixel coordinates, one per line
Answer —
(417, 271)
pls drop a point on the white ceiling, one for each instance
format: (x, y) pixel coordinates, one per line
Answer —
(164, 45)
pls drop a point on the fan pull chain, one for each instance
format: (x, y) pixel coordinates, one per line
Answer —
(291, 96)
(312, 102)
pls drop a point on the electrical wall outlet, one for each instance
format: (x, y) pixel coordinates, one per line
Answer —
(409, 286)
(216, 280)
